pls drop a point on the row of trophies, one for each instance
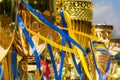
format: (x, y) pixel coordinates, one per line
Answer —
(80, 50)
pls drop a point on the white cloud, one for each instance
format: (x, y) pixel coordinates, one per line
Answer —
(104, 12)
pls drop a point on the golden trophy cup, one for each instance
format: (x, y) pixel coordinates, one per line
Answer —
(78, 15)
(80, 12)
(27, 61)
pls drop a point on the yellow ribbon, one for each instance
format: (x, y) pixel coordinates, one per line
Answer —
(51, 42)
(81, 33)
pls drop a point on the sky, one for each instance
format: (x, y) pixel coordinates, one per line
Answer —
(107, 11)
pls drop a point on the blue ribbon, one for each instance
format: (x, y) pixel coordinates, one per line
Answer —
(53, 61)
(102, 50)
(64, 24)
(63, 44)
(52, 26)
(14, 64)
(117, 58)
(1, 72)
(80, 72)
(95, 44)
(62, 59)
(98, 71)
(29, 40)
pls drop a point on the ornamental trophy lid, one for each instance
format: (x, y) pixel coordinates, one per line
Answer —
(103, 32)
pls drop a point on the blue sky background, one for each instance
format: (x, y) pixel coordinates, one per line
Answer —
(107, 11)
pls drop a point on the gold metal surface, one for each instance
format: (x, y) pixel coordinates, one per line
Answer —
(103, 32)
(114, 46)
(6, 37)
(79, 9)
